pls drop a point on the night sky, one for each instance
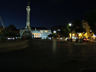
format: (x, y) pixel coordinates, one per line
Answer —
(44, 13)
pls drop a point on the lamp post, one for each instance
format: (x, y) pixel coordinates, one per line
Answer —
(70, 26)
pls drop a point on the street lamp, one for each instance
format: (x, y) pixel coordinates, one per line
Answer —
(70, 25)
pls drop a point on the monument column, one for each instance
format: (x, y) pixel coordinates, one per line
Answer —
(28, 18)
(27, 33)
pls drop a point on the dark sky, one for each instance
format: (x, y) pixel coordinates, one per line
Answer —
(44, 12)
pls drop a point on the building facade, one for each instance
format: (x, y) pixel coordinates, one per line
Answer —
(42, 34)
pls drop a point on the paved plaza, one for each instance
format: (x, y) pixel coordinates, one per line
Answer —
(49, 55)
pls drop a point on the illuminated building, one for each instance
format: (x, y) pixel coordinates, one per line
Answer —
(41, 33)
(33, 33)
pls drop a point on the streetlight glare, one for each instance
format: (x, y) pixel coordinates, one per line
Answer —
(70, 24)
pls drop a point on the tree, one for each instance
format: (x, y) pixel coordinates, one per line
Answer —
(11, 28)
(11, 31)
(77, 26)
(65, 32)
(91, 18)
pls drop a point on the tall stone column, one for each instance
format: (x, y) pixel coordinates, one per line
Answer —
(27, 33)
(28, 18)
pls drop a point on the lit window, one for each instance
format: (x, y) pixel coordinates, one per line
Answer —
(41, 31)
(46, 31)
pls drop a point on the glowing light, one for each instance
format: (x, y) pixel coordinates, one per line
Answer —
(54, 31)
(70, 35)
(41, 31)
(80, 35)
(74, 37)
(59, 30)
(37, 35)
(86, 35)
(94, 36)
(66, 38)
(49, 38)
(46, 31)
(70, 24)
(11, 38)
(73, 34)
(61, 38)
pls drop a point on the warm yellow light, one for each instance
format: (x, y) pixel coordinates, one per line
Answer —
(46, 31)
(37, 35)
(80, 34)
(70, 35)
(86, 35)
(73, 34)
